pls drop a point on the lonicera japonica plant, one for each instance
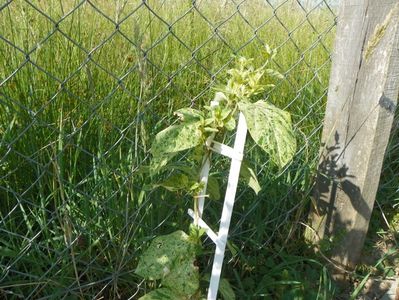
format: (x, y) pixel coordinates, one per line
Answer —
(170, 258)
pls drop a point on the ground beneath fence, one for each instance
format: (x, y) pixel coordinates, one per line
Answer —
(381, 289)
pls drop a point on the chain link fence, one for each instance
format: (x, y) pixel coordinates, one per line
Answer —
(84, 88)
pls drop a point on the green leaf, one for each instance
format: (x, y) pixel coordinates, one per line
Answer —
(230, 124)
(220, 97)
(226, 290)
(209, 121)
(270, 128)
(189, 170)
(250, 178)
(274, 73)
(195, 233)
(175, 182)
(210, 129)
(171, 258)
(224, 113)
(160, 161)
(189, 114)
(184, 276)
(271, 53)
(213, 188)
(7, 252)
(176, 138)
(159, 259)
(162, 294)
(196, 188)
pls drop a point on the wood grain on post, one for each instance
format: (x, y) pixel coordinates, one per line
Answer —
(362, 99)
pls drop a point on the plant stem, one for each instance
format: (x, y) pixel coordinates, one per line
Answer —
(203, 177)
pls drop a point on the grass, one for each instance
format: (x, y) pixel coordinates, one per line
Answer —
(84, 88)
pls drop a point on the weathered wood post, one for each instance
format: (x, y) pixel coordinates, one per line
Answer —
(361, 103)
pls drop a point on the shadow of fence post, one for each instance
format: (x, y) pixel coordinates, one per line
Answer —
(362, 99)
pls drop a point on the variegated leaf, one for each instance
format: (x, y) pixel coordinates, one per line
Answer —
(177, 138)
(270, 128)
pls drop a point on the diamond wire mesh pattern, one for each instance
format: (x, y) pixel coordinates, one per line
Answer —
(85, 86)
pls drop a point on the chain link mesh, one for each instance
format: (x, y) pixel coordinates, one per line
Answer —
(84, 88)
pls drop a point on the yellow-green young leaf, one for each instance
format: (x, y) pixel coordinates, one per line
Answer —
(177, 138)
(250, 178)
(230, 124)
(274, 73)
(219, 97)
(210, 129)
(188, 114)
(270, 128)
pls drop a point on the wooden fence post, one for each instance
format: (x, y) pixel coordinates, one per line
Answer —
(362, 99)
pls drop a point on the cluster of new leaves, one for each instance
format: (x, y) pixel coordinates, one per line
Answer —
(269, 126)
(170, 258)
(245, 81)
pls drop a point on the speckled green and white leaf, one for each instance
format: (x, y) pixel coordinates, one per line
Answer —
(177, 138)
(160, 161)
(184, 276)
(158, 260)
(271, 129)
(163, 294)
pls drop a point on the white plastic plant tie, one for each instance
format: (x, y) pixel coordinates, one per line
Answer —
(227, 211)
(201, 223)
